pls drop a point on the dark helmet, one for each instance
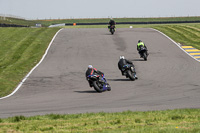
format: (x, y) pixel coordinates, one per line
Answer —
(139, 41)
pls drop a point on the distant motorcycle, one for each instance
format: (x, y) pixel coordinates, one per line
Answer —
(143, 53)
(112, 29)
(129, 72)
(99, 83)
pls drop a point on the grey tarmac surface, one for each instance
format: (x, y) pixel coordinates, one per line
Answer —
(170, 79)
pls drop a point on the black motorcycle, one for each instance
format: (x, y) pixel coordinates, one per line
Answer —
(129, 72)
(99, 83)
(143, 53)
(112, 29)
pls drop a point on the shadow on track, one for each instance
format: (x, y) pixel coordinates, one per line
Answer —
(89, 91)
(118, 79)
(137, 59)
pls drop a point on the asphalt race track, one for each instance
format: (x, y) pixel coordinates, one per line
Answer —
(170, 79)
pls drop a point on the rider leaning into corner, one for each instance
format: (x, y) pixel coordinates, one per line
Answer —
(139, 45)
(111, 23)
(92, 71)
(122, 62)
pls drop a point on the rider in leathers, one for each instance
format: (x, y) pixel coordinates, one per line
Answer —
(122, 62)
(111, 23)
(139, 45)
(92, 71)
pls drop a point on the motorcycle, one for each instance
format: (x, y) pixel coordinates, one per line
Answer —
(112, 29)
(143, 53)
(99, 83)
(129, 72)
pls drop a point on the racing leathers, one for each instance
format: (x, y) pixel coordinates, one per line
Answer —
(111, 23)
(92, 71)
(123, 62)
(139, 45)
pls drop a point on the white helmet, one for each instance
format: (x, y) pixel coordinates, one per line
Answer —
(121, 57)
(90, 66)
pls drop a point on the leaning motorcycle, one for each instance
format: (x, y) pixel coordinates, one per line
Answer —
(112, 29)
(99, 83)
(143, 53)
(129, 72)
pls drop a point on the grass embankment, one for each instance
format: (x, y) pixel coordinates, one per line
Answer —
(169, 121)
(17, 21)
(20, 50)
(185, 34)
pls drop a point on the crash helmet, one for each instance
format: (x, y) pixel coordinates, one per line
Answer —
(90, 66)
(121, 57)
(139, 41)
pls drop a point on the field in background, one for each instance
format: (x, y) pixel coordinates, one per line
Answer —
(106, 20)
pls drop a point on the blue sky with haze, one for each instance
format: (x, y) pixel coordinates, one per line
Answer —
(46, 9)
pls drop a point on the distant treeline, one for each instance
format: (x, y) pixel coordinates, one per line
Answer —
(161, 22)
(12, 25)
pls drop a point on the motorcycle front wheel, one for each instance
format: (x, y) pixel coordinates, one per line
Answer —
(145, 56)
(112, 31)
(97, 86)
(130, 75)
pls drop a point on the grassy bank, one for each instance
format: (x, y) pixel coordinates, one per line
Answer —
(21, 49)
(185, 34)
(169, 121)
(17, 21)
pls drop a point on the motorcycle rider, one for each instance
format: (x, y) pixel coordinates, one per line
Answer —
(92, 71)
(122, 62)
(139, 45)
(111, 23)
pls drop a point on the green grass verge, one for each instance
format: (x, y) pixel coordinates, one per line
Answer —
(169, 121)
(21, 49)
(185, 34)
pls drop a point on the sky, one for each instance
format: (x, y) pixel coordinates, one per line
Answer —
(65, 9)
